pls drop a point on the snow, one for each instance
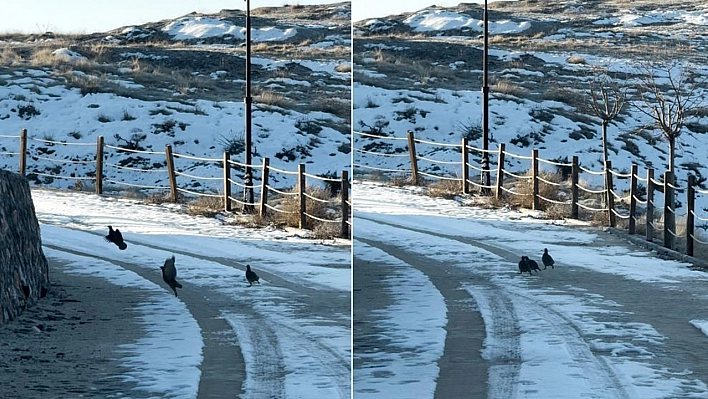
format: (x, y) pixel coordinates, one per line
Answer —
(68, 55)
(414, 323)
(315, 351)
(514, 120)
(190, 28)
(166, 360)
(441, 20)
(570, 339)
(200, 128)
(636, 18)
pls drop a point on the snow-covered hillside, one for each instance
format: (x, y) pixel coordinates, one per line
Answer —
(422, 72)
(181, 82)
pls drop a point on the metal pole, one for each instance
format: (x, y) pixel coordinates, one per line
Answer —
(486, 179)
(248, 174)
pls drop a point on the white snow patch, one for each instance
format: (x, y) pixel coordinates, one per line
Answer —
(166, 360)
(440, 20)
(68, 55)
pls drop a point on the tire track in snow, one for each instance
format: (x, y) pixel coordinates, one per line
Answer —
(463, 374)
(223, 367)
(600, 372)
(335, 366)
(501, 348)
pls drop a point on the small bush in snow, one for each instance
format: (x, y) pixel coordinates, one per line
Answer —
(104, 119)
(234, 144)
(27, 111)
(127, 116)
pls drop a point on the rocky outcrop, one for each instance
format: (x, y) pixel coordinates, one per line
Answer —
(24, 273)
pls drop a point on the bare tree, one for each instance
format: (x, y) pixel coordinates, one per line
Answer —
(606, 100)
(669, 94)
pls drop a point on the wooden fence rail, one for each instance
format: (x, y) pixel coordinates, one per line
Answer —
(607, 195)
(226, 164)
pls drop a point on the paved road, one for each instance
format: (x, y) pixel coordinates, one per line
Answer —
(271, 336)
(469, 370)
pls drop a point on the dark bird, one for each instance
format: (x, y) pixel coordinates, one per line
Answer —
(116, 237)
(547, 259)
(524, 265)
(532, 265)
(251, 276)
(169, 274)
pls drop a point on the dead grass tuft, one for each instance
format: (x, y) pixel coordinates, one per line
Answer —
(205, 206)
(290, 205)
(448, 189)
(525, 189)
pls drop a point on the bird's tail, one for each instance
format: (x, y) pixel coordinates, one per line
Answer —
(122, 245)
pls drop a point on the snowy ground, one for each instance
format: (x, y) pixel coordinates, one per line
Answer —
(609, 321)
(292, 331)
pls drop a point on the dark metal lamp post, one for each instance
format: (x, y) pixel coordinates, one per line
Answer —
(486, 179)
(248, 100)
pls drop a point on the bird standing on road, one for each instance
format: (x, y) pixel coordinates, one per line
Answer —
(524, 265)
(169, 274)
(116, 237)
(547, 259)
(532, 265)
(251, 276)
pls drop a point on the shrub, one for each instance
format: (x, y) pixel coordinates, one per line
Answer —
(75, 134)
(27, 111)
(127, 116)
(233, 145)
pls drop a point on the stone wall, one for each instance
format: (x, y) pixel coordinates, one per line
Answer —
(24, 273)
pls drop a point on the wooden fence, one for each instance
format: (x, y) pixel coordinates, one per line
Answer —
(570, 192)
(266, 190)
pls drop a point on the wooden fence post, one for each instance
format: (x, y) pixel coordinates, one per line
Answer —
(669, 216)
(691, 204)
(633, 200)
(301, 192)
(500, 170)
(609, 187)
(534, 178)
(23, 151)
(171, 172)
(414, 160)
(345, 204)
(99, 165)
(264, 187)
(465, 167)
(574, 174)
(227, 182)
(650, 204)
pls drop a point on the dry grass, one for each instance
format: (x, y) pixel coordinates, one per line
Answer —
(9, 57)
(509, 88)
(270, 97)
(343, 68)
(290, 205)
(205, 206)
(448, 189)
(575, 59)
(525, 188)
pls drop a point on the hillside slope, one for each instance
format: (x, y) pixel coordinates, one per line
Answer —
(181, 82)
(422, 71)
